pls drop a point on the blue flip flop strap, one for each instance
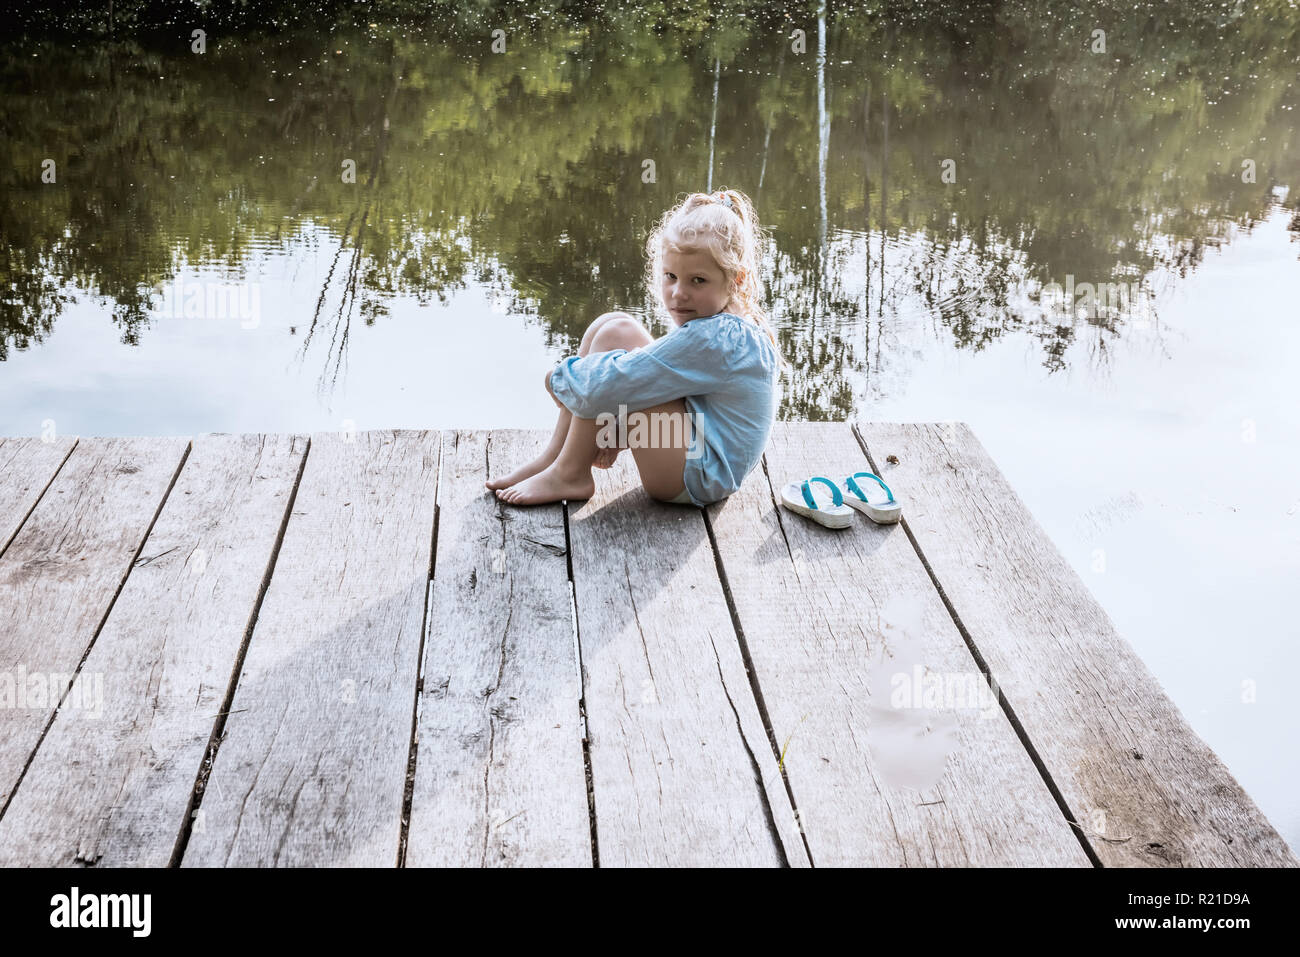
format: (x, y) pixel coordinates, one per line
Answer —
(836, 497)
(853, 486)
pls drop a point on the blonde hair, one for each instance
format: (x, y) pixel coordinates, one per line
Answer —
(724, 225)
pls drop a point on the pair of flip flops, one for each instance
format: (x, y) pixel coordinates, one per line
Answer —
(878, 504)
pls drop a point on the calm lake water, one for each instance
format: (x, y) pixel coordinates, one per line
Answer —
(201, 262)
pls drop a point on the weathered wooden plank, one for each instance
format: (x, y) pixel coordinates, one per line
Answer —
(682, 771)
(831, 618)
(27, 466)
(112, 781)
(60, 573)
(1144, 788)
(499, 774)
(312, 769)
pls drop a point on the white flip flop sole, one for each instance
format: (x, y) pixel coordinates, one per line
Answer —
(832, 516)
(882, 512)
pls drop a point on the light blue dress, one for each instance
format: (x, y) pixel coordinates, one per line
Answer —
(723, 367)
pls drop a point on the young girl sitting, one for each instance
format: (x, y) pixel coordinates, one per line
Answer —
(714, 375)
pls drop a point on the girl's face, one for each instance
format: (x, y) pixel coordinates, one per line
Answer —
(693, 286)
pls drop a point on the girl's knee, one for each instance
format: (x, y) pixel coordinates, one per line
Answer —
(597, 324)
(620, 331)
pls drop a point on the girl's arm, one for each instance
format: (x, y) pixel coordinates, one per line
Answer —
(691, 360)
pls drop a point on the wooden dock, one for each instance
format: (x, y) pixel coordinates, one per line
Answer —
(340, 649)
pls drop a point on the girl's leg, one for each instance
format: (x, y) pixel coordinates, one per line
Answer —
(569, 476)
(603, 459)
(660, 461)
(663, 461)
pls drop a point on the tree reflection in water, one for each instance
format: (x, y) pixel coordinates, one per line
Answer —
(522, 173)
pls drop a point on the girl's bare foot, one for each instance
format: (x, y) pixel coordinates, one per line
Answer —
(549, 485)
(521, 473)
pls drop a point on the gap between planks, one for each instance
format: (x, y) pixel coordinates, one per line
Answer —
(107, 611)
(1007, 709)
(219, 727)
